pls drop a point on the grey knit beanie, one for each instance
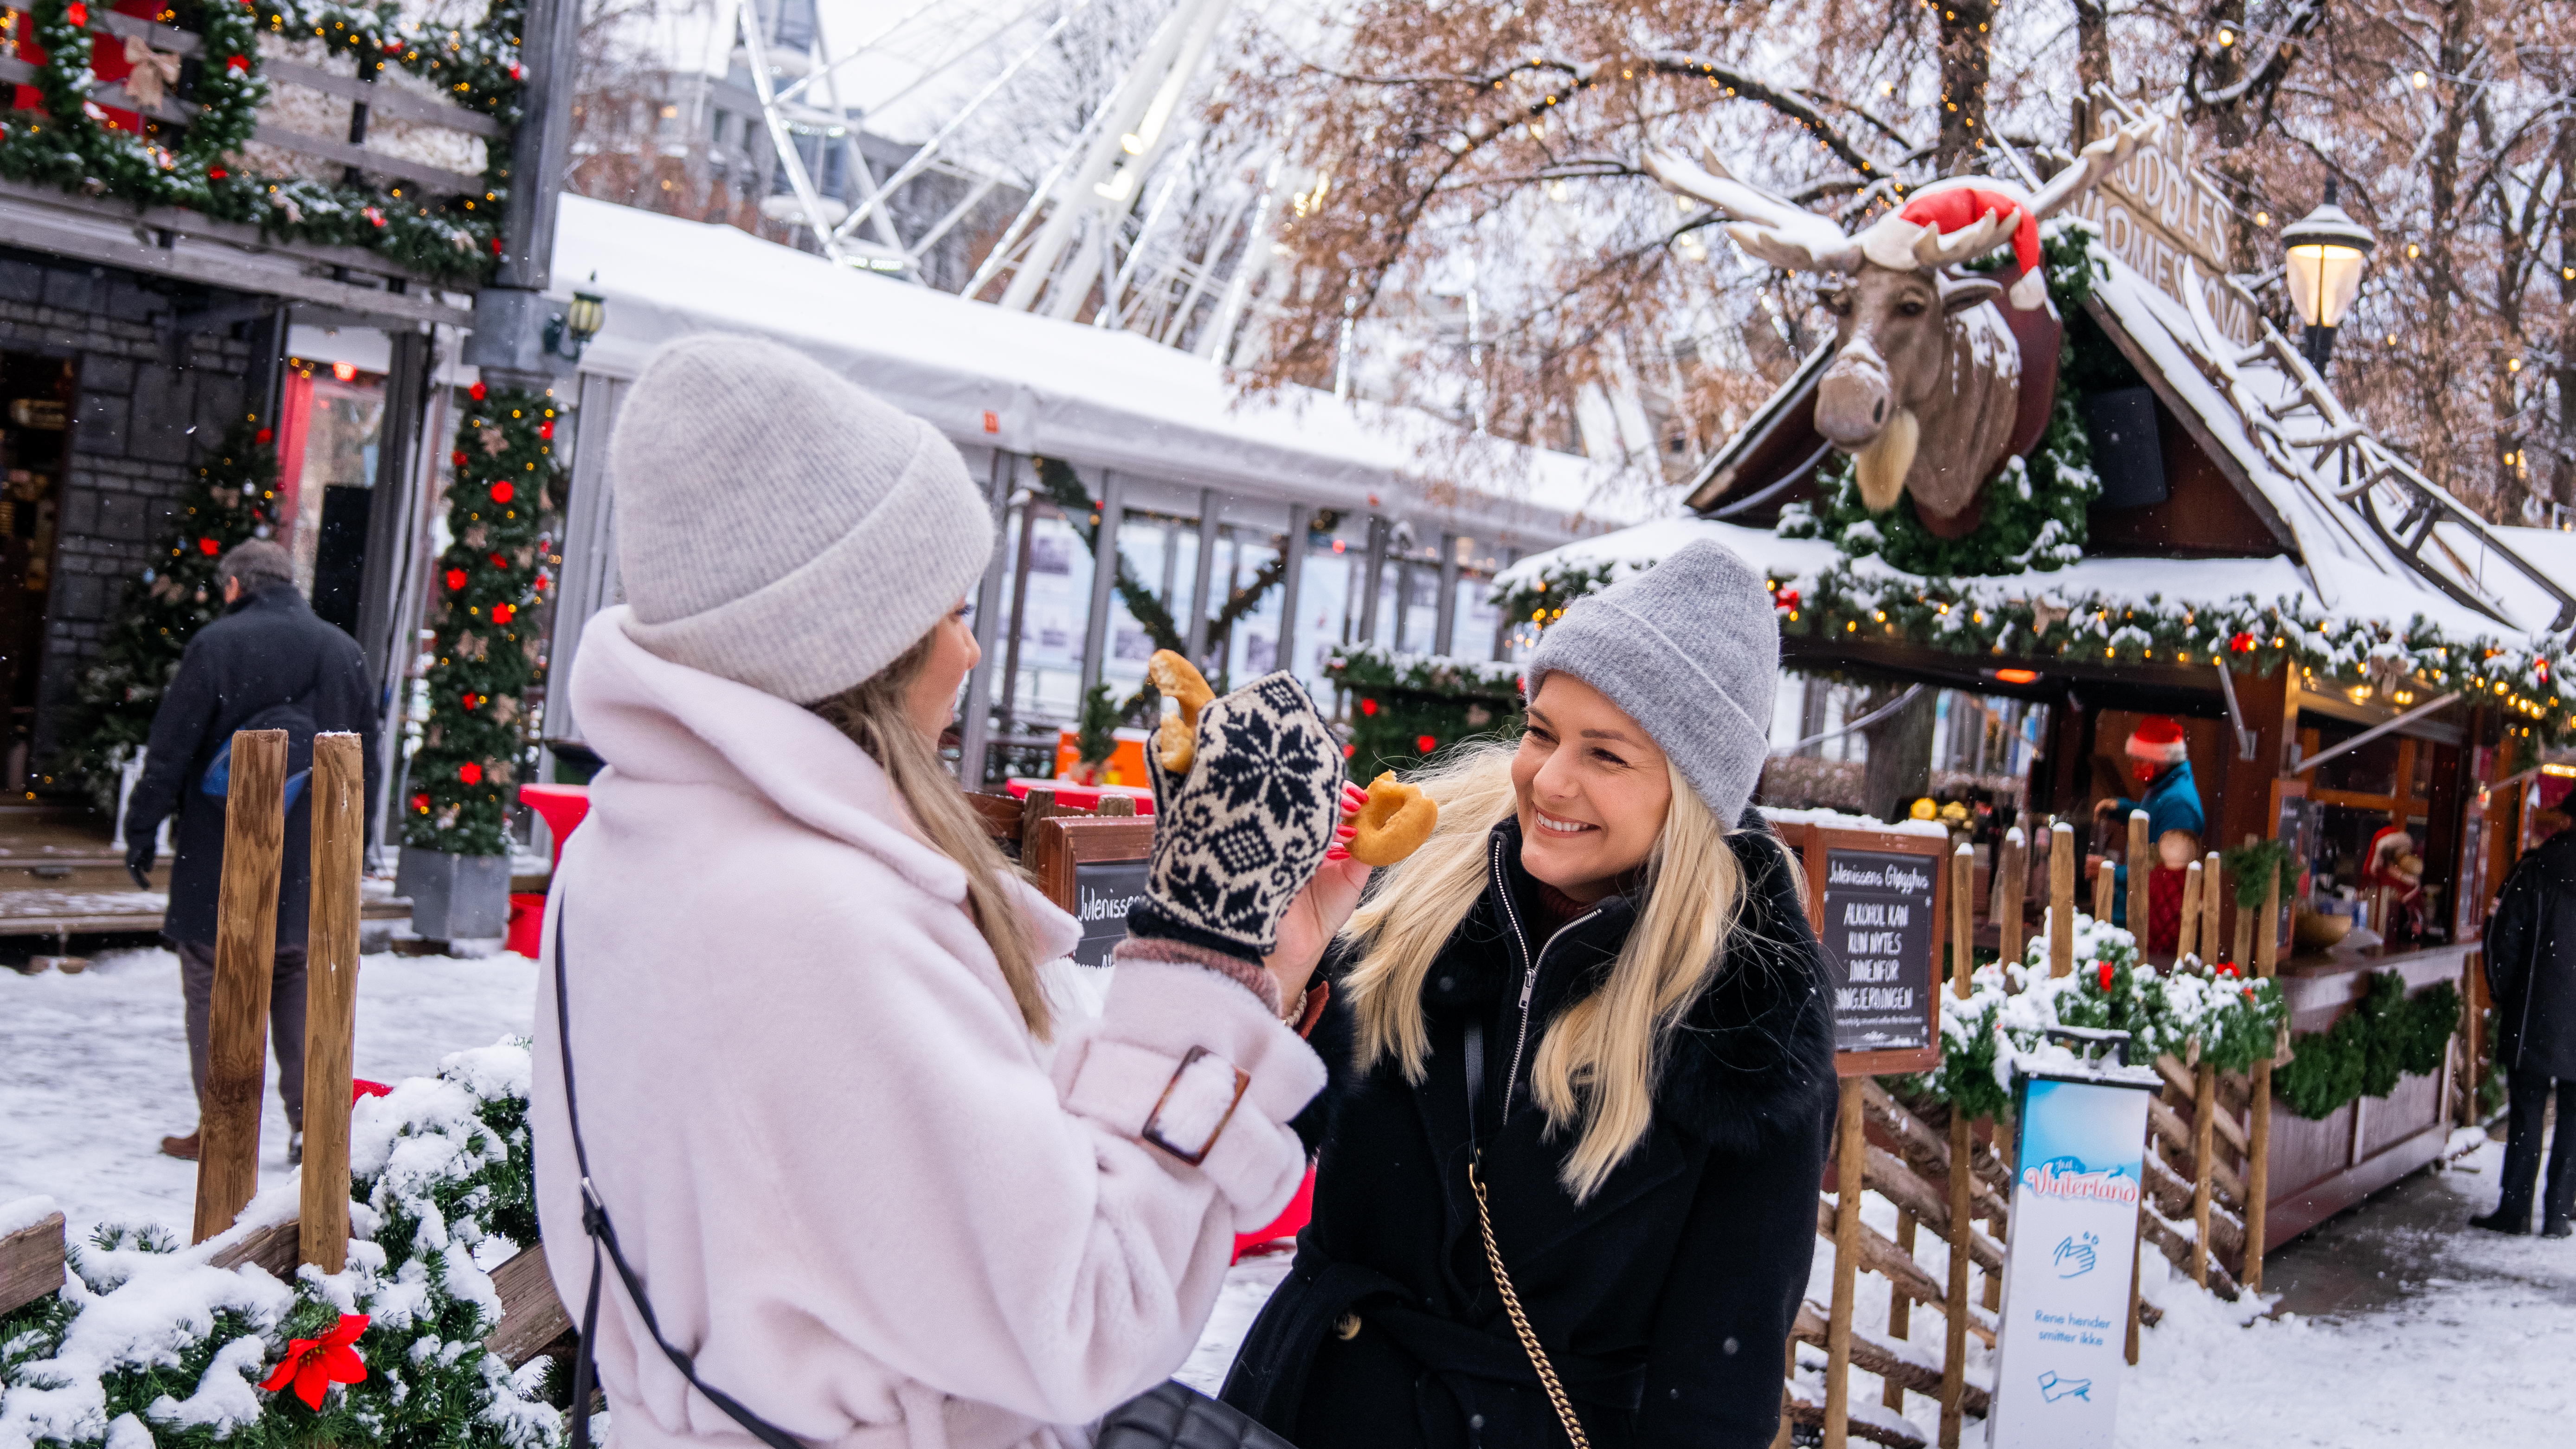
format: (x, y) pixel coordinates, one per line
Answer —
(779, 525)
(1690, 649)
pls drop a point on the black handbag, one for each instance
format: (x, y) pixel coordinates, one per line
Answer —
(1171, 1415)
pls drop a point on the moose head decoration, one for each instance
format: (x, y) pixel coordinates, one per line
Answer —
(1924, 386)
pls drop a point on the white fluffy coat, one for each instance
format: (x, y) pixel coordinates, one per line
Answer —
(878, 1211)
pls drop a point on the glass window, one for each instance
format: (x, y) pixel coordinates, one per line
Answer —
(1478, 618)
(1051, 620)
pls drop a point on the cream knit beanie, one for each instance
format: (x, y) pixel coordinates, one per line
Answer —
(780, 526)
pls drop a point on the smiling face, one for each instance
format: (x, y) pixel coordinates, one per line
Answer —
(1591, 790)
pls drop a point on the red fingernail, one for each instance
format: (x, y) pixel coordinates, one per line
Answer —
(1347, 832)
(1336, 853)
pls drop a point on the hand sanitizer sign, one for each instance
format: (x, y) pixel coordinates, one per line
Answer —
(2066, 1270)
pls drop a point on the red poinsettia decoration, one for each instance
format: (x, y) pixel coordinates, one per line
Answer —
(478, 392)
(502, 492)
(2105, 968)
(2225, 968)
(313, 1365)
(470, 772)
(1426, 744)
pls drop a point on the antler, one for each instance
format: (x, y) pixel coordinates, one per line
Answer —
(1773, 228)
(1934, 250)
(2102, 158)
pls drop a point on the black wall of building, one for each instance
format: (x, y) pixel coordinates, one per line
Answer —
(164, 367)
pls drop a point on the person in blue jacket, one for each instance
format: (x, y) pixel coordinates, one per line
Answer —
(2160, 759)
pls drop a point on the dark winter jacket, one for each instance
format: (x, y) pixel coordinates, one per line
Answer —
(268, 663)
(2531, 961)
(1663, 1301)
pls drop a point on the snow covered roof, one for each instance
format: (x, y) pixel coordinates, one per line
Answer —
(1028, 384)
(2343, 569)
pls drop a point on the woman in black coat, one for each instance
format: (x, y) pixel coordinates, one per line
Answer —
(1614, 1007)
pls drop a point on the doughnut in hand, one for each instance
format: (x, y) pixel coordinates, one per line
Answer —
(1176, 740)
(1394, 823)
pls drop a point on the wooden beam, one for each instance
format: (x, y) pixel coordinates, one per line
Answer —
(2258, 1135)
(245, 962)
(2203, 1126)
(338, 796)
(2141, 863)
(2061, 899)
(531, 1315)
(366, 160)
(1954, 1330)
(273, 1248)
(1894, 1180)
(384, 99)
(1873, 1355)
(113, 248)
(31, 1262)
(196, 226)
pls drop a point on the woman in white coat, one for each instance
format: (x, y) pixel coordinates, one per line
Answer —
(870, 1172)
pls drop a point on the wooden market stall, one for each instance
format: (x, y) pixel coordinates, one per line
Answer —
(2356, 662)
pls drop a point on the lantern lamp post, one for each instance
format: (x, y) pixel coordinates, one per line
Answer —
(2326, 251)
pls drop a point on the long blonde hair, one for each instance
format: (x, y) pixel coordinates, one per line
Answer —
(1598, 1064)
(871, 713)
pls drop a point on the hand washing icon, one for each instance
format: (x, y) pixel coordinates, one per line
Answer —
(2052, 1388)
(2074, 1256)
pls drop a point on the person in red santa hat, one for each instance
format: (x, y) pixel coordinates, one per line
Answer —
(2161, 761)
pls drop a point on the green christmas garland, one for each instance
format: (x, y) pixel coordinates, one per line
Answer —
(2387, 1035)
(499, 505)
(1406, 708)
(232, 499)
(69, 144)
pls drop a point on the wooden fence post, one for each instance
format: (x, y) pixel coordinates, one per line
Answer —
(245, 959)
(2106, 889)
(2131, 1347)
(1900, 1310)
(1848, 1154)
(338, 792)
(2189, 941)
(2258, 1129)
(2141, 864)
(1954, 1302)
(2210, 906)
(2061, 899)
(2245, 929)
(2204, 1122)
(1780, 1437)
(2012, 875)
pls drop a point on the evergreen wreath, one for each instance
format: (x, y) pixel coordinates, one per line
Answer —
(232, 499)
(1406, 708)
(71, 145)
(2034, 510)
(152, 1349)
(499, 506)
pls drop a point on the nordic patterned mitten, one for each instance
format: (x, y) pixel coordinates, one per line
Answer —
(1239, 835)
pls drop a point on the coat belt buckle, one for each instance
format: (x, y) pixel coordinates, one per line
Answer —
(1153, 1129)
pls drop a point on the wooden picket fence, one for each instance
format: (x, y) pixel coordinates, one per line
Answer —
(2204, 1170)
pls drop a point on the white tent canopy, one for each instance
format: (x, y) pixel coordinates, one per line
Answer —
(991, 378)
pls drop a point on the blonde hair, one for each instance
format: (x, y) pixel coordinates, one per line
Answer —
(871, 713)
(1598, 1063)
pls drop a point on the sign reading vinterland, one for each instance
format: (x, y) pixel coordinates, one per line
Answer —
(1877, 905)
(2064, 1323)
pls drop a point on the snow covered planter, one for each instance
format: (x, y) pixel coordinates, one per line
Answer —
(150, 1345)
(2192, 1011)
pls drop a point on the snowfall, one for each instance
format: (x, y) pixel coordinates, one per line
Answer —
(2390, 1326)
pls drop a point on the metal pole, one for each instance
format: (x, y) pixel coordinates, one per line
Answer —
(1292, 576)
(1104, 583)
(977, 726)
(1445, 619)
(1201, 571)
(1503, 626)
(1372, 569)
(1029, 506)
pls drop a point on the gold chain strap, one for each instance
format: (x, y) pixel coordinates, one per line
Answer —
(1520, 1321)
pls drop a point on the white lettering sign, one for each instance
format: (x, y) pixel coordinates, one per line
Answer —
(2158, 211)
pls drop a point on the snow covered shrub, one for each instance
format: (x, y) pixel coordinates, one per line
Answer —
(2192, 1011)
(148, 1347)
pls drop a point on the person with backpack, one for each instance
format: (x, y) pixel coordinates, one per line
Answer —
(834, 1145)
(2531, 978)
(268, 663)
(1581, 1047)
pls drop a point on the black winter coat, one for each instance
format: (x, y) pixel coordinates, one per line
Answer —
(2531, 961)
(1664, 1301)
(269, 654)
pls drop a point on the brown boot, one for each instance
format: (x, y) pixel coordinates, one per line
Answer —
(183, 1148)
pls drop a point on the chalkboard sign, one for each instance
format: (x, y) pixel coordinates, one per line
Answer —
(1094, 867)
(1877, 900)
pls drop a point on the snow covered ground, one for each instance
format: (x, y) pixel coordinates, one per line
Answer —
(2395, 1326)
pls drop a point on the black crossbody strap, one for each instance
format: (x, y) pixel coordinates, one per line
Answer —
(594, 1221)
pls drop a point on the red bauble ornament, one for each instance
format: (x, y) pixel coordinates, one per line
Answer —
(1425, 743)
(209, 547)
(1349, 750)
(2243, 643)
(1368, 706)
(502, 492)
(262, 437)
(216, 173)
(239, 64)
(502, 613)
(420, 803)
(546, 431)
(499, 562)
(456, 581)
(2106, 973)
(457, 457)
(313, 1365)
(76, 13)
(467, 699)
(470, 772)
(476, 392)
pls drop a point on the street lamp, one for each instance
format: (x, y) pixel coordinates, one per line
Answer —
(2326, 250)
